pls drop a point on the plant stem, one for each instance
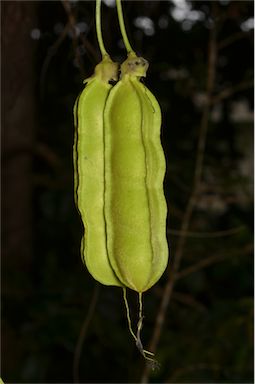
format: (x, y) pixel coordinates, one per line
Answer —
(83, 333)
(122, 27)
(99, 29)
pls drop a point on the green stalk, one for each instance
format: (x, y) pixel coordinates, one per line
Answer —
(122, 27)
(99, 29)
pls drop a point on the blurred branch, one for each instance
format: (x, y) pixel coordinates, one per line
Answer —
(177, 181)
(188, 300)
(39, 149)
(176, 212)
(90, 49)
(228, 92)
(212, 260)
(191, 368)
(232, 39)
(83, 333)
(226, 232)
(46, 153)
(72, 24)
(51, 53)
(168, 290)
(76, 36)
(51, 183)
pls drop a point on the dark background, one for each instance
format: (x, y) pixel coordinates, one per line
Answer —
(48, 296)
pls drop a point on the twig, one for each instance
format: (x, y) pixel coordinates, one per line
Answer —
(91, 51)
(188, 300)
(51, 53)
(175, 180)
(212, 260)
(232, 39)
(168, 290)
(95, 56)
(72, 22)
(83, 332)
(242, 86)
(202, 235)
(202, 366)
(48, 155)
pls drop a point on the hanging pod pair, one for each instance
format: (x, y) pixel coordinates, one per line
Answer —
(119, 168)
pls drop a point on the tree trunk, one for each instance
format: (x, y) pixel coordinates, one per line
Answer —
(18, 125)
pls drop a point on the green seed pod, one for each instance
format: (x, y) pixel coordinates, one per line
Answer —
(135, 207)
(88, 156)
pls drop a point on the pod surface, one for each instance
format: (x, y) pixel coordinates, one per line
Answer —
(155, 172)
(89, 178)
(135, 205)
